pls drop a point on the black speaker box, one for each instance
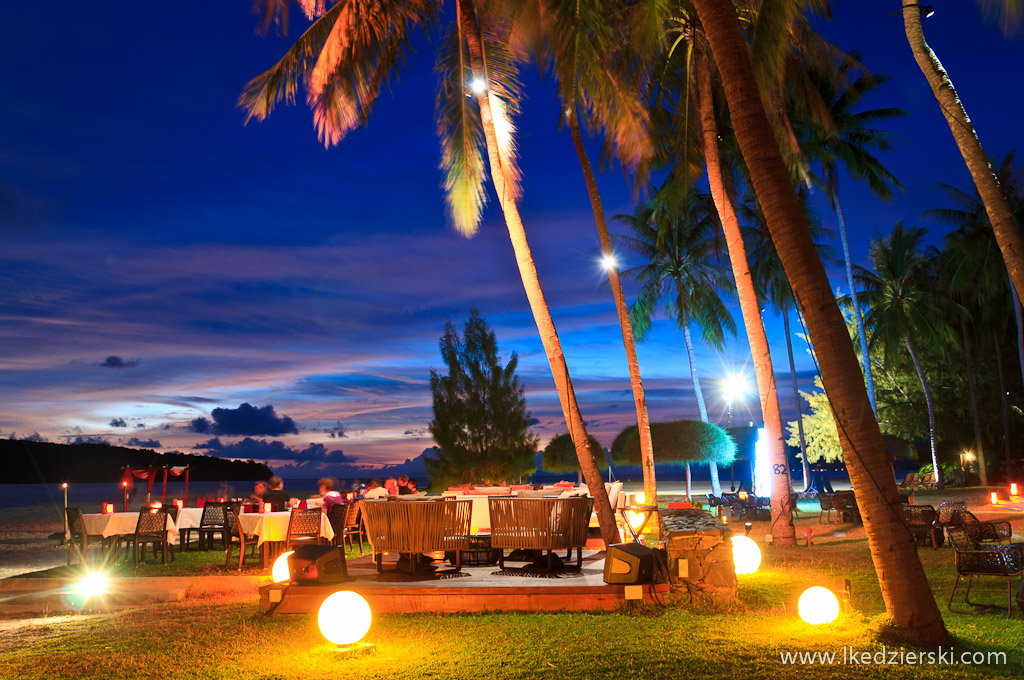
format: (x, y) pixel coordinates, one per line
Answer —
(628, 563)
(318, 564)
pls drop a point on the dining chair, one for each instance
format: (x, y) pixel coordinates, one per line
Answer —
(347, 524)
(212, 522)
(151, 528)
(80, 537)
(303, 527)
(237, 536)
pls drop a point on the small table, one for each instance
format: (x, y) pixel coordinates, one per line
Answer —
(647, 510)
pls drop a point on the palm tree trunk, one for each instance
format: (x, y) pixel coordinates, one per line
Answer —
(534, 293)
(1008, 236)
(974, 402)
(1020, 328)
(1002, 398)
(782, 529)
(931, 412)
(639, 400)
(716, 485)
(905, 589)
(858, 317)
(796, 399)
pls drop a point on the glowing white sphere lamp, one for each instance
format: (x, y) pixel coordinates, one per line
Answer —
(746, 556)
(279, 572)
(344, 617)
(818, 605)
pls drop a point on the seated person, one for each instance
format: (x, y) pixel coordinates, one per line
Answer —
(411, 488)
(375, 490)
(327, 493)
(392, 486)
(276, 494)
(259, 489)
(403, 481)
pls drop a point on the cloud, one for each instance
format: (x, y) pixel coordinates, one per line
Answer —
(244, 420)
(143, 443)
(34, 437)
(118, 422)
(261, 449)
(114, 361)
(89, 439)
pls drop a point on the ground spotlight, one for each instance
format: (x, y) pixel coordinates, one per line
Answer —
(279, 572)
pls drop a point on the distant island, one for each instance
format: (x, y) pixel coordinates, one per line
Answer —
(29, 462)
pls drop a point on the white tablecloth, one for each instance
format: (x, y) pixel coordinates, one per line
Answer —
(188, 518)
(120, 523)
(273, 526)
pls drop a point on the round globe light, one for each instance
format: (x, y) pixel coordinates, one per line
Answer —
(818, 605)
(746, 556)
(344, 617)
(280, 572)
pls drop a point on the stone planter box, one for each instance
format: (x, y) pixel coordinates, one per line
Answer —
(699, 556)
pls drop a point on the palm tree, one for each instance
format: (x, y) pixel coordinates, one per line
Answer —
(345, 57)
(908, 597)
(904, 307)
(773, 286)
(1007, 231)
(588, 61)
(783, 530)
(976, 275)
(676, 235)
(850, 140)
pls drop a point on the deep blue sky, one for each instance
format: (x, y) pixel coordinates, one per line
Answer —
(224, 264)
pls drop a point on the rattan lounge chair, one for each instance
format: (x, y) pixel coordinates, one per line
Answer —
(827, 507)
(991, 530)
(413, 527)
(921, 522)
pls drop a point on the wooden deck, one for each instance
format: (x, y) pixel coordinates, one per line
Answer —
(474, 589)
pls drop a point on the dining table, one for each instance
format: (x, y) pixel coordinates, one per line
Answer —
(120, 524)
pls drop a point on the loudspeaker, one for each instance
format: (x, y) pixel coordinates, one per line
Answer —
(628, 563)
(318, 564)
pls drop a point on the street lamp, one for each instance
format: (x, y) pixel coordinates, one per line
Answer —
(968, 457)
(734, 386)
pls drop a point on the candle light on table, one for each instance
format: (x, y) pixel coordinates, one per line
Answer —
(108, 508)
(178, 503)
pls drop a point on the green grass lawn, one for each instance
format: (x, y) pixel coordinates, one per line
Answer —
(224, 638)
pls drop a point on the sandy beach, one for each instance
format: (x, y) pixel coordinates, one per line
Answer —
(24, 542)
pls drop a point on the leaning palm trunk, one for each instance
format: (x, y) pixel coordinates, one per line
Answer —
(858, 317)
(931, 412)
(716, 485)
(782, 529)
(1008, 236)
(1020, 328)
(796, 399)
(639, 400)
(905, 589)
(974, 402)
(534, 293)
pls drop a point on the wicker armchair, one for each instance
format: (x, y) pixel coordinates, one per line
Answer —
(949, 513)
(303, 528)
(827, 507)
(992, 530)
(79, 536)
(921, 520)
(237, 536)
(540, 524)
(846, 506)
(974, 559)
(413, 527)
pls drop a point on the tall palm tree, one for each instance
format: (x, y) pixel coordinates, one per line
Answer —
(904, 308)
(976, 275)
(850, 140)
(345, 57)
(1007, 231)
(591, 66)
(782, 530)
(908, 597)
(676, 235)
(773, 286)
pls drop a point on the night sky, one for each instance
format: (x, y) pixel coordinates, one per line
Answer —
(160, 260)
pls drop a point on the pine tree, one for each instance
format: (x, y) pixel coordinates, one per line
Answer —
(481, 424)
